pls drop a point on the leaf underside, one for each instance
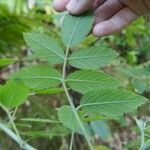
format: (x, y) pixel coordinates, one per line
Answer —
(92, 57)
(39, 77)
(75, 28)
(44, 47)
(112, 102)
(67, 118)
(84, 81)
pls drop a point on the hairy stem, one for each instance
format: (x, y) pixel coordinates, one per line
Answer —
(70, 99)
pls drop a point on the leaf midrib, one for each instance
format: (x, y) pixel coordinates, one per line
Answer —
(87, 81)
(47, 48)
(40, 77)
(72, 35)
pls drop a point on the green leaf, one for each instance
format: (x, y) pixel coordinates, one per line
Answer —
(44, 47)
(59, 131)
(13, 94)
(67, 118)
(84, 81)
(92, 57)
(38, 77)
(75, 28)
(110, 102)
(6, 61)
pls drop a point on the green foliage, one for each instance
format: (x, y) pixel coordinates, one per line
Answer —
(102, 95)
(44, 47)
(38, 77)
(68, 119)
(84, 81)
(5, 61)
(53, 132)
(13, 94)
(113, 102)
(92, 57)
(139, 26)
(139, 76)
(75, 29)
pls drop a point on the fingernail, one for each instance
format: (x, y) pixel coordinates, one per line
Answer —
(72, 6)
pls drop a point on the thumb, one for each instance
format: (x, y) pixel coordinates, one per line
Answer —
(77, 7)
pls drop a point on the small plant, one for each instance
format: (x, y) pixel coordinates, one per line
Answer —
(103, 95)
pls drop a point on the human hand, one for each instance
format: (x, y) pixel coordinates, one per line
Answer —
(111, 16)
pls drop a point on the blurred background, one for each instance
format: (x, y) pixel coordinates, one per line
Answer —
(132, 67)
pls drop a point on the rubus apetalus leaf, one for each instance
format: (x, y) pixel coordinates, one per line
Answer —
(92, 57)
(75, 28)
(38, 77)
(67, 118)
(44, 47)
(13, 94)
(110, 102)
(84, 81)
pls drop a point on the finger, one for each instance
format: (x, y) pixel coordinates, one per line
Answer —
(116, 23)
(60, 5)
(77, 7)
(107, 10)
(97, 3)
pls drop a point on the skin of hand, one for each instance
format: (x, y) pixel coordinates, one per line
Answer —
(111, 16)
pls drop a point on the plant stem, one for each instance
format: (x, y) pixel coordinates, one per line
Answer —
(11, 120)
(141, 124)
(15, 136)
(71, 141)
(70, 99)
(14, 113)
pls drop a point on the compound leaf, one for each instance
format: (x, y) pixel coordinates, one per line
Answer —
(84, 81)
(44, 47)
(13, 94)
(39, 77)
(75, 28)
(110, 102)
(92, 57)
